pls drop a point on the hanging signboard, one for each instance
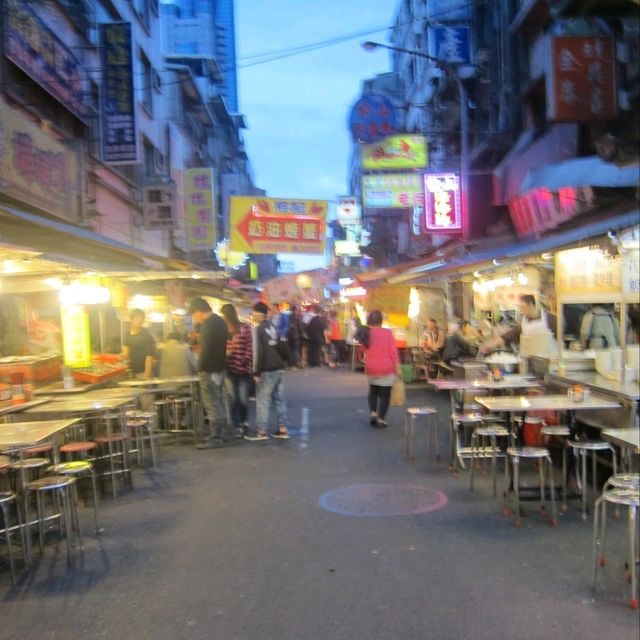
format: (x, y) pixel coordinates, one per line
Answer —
(372, 118)
(119, 138)
(158, 206)
(443, 210)
(199, 207)
(76, 343)
(277, 225)
(396, 152)
(392, 190)
(348, 211)
(582, 84)
(41, 55)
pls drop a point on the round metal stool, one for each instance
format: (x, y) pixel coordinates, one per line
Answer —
(584, 448)
(562, 432)
(472, 417)
(7, 504)
(479, 450)
(431, 416)
(78, 469)
(629, 498)
(142, 429)
(181, 407)
(62, 488)
(545, 468)
(27, 470)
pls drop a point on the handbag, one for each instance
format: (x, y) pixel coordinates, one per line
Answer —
(398, 396)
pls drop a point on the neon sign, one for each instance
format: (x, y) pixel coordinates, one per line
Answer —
(443, 210)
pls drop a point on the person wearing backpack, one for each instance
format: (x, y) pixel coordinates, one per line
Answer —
(599, 328)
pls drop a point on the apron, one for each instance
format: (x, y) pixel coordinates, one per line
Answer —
(530, 327)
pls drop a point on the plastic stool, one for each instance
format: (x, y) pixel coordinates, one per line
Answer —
(478, 450)
(583, 448)
(432, 429)
(545, 467)
(629, 498)
(63, 488)
(76, 469)
(8, 500)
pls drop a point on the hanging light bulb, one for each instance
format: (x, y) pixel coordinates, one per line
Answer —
(522, 278)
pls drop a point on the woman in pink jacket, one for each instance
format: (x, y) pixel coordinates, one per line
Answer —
(382, 366)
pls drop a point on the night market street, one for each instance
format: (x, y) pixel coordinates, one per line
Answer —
(247, 542)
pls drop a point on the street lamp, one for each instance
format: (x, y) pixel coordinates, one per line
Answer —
(451, 69)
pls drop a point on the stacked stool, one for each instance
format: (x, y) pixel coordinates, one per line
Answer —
(142, 427)
(480, 450)
(620, 490)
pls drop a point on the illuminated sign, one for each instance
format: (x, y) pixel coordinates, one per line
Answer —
(393, 190)
(443, 211)
(75, 336)
(348, 210)
(582, 84)
(277, 225)
(396, 152)
(346, 248)
(353, 292)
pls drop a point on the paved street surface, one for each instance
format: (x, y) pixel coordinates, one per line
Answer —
(301, 540)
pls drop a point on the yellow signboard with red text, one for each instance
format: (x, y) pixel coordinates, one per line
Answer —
(277, 225)
(200, 209)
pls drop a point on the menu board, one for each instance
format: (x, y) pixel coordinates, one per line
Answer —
(587, 270)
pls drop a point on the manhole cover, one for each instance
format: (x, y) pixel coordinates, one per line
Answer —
(382, 500)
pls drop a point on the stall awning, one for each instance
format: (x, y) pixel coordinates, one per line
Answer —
(430, 270)
(590, 171)
(57, 241)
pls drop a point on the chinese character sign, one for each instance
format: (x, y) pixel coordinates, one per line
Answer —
(587, 270)
(119, 143)
(277, 225)
(581, 86)
(41, 55)
(443, 211)
(159, 206)
(348, 211)
(393, 190)
(372, 118)
(200, 209)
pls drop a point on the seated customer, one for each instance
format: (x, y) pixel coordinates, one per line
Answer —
(456, 346)
(434, 339)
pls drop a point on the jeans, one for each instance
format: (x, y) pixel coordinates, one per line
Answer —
(270, 390)
(214, 402)
(239, 384)
(379, 398)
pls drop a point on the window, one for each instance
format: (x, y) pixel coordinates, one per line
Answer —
(147, 83)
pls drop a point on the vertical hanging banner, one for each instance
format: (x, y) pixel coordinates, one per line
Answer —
(119, 139)
(443, 210)
(277, 225)
(582, 84)
(199, 206)
(76, 343)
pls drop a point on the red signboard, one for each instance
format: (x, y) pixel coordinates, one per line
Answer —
(582, 85)
(443, 210)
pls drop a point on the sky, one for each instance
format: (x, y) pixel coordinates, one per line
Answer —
(297, 107)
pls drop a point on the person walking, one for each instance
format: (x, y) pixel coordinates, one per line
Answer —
(381, 368)
(239, 368)
(268, 370)
(317, 336)
(294, 337)
(212, 365)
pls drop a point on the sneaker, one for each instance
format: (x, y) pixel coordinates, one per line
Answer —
(282, 433)
(373, 418)
(239, 432)
(211, 443)
(382, 424)
(257, 436)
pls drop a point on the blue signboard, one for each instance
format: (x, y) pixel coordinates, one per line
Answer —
(118, 108)
(373, 117)
(452, 44)
(33, 47)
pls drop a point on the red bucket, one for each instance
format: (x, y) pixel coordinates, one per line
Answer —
(531, 431)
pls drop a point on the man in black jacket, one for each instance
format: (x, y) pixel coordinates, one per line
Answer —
(269, 362)
(212, 365)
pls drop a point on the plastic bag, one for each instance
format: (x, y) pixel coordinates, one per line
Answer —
(397, 393)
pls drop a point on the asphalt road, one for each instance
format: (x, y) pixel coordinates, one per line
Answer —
(330, 536)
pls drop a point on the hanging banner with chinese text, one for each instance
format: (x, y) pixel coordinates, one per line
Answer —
(443, 210)
(277, 225)
(200, 210)
(119, 138)
(582, 84)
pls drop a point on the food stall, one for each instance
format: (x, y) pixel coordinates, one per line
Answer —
(597, 275)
